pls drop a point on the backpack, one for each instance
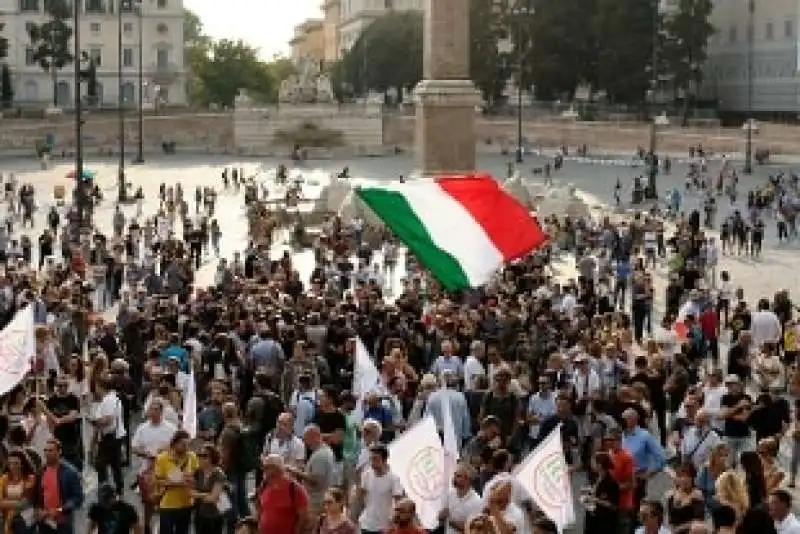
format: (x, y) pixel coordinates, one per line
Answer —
(248, 449)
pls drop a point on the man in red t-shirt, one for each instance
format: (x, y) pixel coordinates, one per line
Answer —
(623, 472)
(283, 503)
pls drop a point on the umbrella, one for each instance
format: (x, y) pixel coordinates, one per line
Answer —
(87, 174)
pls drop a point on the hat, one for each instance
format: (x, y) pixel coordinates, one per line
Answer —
(732, 379)
(106, 492)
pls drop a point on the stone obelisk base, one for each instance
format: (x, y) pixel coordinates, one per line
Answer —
(445, 123)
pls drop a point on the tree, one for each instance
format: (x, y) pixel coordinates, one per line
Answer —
(489, 68)
(388, 54)
(624, 31)
(6, 87)
(687, 31)
(562, 50)
(51, 41)
(197, 46)
(232, 66)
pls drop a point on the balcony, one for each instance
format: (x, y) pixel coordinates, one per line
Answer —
(164, 73)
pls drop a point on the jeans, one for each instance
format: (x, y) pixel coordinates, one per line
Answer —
(174, 521)
(238, 483)
(109, 455)
(208, 525)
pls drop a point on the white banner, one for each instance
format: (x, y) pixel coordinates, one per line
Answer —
(366, 377)
(544, 476)
(417, 458)
(189, 420)
(450, 442)
(17, 349)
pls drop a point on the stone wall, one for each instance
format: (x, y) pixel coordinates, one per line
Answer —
(203, 133)
(600, 137)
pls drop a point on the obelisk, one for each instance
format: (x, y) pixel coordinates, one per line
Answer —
(446, 97)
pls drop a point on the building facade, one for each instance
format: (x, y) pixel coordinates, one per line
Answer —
(356, 15)
(156, 30)
(331, 10)
(775, 57)
(308, 42)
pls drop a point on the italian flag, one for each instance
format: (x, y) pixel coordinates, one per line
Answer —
(461, 228)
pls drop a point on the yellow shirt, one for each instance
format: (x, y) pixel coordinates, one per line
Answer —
(166, 469)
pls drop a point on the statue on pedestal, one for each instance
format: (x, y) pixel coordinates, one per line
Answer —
(307, 86)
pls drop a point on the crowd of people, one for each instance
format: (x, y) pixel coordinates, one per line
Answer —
(206, 390)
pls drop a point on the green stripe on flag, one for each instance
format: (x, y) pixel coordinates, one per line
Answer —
(395, 211)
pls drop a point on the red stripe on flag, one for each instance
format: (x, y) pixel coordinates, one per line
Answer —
(506, 221)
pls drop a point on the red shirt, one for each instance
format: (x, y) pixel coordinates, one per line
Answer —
(622, 471)
(281, 504)
(709, 324)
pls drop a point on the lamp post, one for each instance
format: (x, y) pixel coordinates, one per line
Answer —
(140, 122)
(123, 4)
(519, 12)
(651, 191)
(748, 150)
(81, 192)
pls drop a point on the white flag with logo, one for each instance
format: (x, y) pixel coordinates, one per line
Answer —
(365, 375)
(544, 476)
(189, 420)
(450, 442)
(417, 459)
(17, 349)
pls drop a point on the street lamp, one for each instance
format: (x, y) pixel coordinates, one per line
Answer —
(140, 123)
(518, 13)
(123, 6)
(81, 186)
(748, 150)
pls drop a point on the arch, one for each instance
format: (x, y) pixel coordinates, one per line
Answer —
(31, 91)
(63, 93)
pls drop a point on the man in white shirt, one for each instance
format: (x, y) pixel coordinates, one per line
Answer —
(473, 365)
(462, 503)
(765, 326)
(283, 442)
(379, 488)
(780, 509)
(152, 437)
(712, 399)
(109, 430)
(699, 440)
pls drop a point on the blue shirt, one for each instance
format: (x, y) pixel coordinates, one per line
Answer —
(648, 455)
(447, 363)
(459, 413)
(178, 352)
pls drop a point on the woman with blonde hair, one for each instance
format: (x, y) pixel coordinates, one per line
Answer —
(716, 464)
(730, 490)
(767, 450)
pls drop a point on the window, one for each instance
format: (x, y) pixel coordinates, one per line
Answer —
(127, 6)
(161, 4)
(162, 28)
(732, 34)
(788, 29)
(127, 57)
(29, 56)
(96, 55)
(128, 92)
(95, 6)
(388, 4)
(29, 27)
(127, 27)
(29, 5)
(94, 27)
(769, 31)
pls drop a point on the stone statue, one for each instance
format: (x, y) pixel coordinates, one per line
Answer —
(324, 88)
(307, 86)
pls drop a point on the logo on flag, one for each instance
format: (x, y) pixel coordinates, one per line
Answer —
(17, 349)
(425, 474)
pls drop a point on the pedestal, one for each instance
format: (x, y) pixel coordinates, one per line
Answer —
(445, 126)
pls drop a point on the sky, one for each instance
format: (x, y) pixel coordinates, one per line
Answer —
(265, 24)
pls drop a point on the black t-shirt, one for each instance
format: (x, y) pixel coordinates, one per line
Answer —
(328, 423)
(117, 518)
(67, 433)
(733, 427)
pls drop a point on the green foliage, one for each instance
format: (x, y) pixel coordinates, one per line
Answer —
(232, 66)
(51, 40)
(387, 54)
(308, 134)
(219, 69)
(6, 87)
(489, 68)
